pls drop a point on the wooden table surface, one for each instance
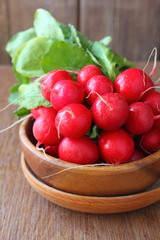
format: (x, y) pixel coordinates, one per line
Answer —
(25, 215)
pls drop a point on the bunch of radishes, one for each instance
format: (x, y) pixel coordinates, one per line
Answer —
(126, 113)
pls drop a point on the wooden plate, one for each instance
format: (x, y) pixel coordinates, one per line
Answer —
(92, 204)
(114, 180)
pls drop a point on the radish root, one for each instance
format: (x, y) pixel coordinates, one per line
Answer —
(102, 99)
(147, 91)
(76, 167)
(154, 64)
(61, 114)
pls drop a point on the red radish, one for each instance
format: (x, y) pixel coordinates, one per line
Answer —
(65, 92)
(44, 130)
(140, 118)
(78, 150)
(153, 100)
(116, 146)
(50, 79)
(131, 83)
(41, 111)
(110, 111)
(150, 141)
(74, 120)
(157, 124)
(97, 84)
(136, 155)
(88, 72)
(52, 150)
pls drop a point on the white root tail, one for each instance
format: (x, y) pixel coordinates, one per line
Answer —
(154, 64)
(14, 124)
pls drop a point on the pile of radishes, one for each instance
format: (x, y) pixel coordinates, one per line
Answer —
(126, 113)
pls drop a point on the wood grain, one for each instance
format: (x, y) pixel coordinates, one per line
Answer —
(133, 25)
(22, 12)
(90, 204)
(4, 28)
(25, 215)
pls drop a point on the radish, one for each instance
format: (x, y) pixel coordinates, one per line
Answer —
(150, 141)
(97, 84)
(116, 146)
(74, 120)
(80, 150)
(65, 92)
(157, 124)
(50, 79)
(88, 72)
(110, 111)
(140, 118)
(44, 130)
(52, 150)
(137, 154)
(153, 100)
(41, 111)
(131, 83)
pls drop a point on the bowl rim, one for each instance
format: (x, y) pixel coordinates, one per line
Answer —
(129, 166)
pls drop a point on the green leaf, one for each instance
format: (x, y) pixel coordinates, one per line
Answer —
(14, 94)
(46, 26)
(21, 112)
(30, 96)
(66, 32)
(20, 78)
(28, 57)
(74, 35)
(18, 39)
(85, 42)
(93, 132)
(110, 61)
(65, 55)
(106, 40)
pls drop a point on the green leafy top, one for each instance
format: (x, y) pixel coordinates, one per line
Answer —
(51, 45)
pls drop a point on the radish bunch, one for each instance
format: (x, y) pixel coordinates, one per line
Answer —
(125, 113)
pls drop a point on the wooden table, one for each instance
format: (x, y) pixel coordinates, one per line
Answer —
(25, 215)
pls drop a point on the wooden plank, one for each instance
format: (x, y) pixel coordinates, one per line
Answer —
(133, 25)
(96, 18)
(4, 34)
(21, 12)
(136, 28)
(25, 215)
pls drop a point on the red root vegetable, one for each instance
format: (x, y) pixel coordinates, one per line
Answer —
(140, 118)
(152, 99)
(81, 150)
(66, 92)
(42, 111)
(116, 146)
(137, 154)
(44, 130)
(50, 79)
(88, 72)
(110, 111)
(131, 83)
(150, 141)
(98, 84)
(74, 120)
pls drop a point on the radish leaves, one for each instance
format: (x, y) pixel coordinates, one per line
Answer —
(18, 39)
(46, 26)
(27, 58)
(66, 56)
(30, 96)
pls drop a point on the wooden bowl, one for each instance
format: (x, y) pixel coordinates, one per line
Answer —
(92, 204)
(110, 180)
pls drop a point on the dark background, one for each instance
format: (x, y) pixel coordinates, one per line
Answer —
(133, 24)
